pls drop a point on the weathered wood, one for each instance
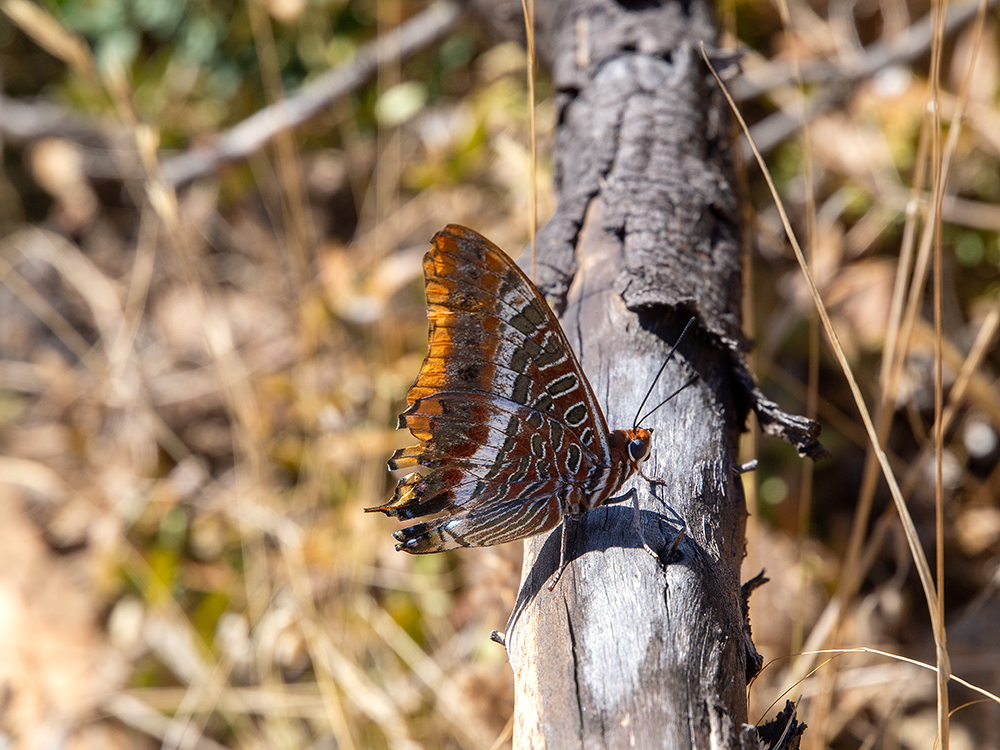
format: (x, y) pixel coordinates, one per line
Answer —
(626, 652)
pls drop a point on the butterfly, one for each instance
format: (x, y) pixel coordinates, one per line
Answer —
(512, 439)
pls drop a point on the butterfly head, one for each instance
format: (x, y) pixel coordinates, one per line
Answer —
(638, 442)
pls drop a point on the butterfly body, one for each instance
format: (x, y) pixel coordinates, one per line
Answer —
(512, 437)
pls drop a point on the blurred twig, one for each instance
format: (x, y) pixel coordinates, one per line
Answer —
(25, 122)
(260, 128)
(836, 80)
(22, 122)
(906, 48)
(909, 529)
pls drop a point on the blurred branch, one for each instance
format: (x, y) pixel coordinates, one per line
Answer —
(257, 130)
(905, 48)
(25, 122)
(836, 80)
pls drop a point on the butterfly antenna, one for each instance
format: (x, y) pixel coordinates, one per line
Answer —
(662, 368)
(648, 413)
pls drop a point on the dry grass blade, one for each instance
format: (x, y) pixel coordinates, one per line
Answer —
(931, 668)
(449, 698)
(205, 340)
(37, 303)
(363, 693)
(812, 392)
(916, 552)
(960, 389)
(939, 178)
(51, 35)
(133, 712)
(259, 129)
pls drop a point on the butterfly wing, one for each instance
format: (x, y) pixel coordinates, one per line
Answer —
(511, 434)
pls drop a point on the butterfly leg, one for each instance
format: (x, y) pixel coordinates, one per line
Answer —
(636, 520)
(671, 550)
(677, 519)
(563, 547)
(637, 524)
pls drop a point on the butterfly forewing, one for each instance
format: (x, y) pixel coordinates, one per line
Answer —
(511, 435)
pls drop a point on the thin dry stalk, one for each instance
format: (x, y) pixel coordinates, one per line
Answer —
(49, 34)
(894, 357)
(909, 529)
(448, 698)
(812, 388)
(300, 243)
(939, 177)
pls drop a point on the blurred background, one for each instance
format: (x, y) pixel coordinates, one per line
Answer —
(206, 333)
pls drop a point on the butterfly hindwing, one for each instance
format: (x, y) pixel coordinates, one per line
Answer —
(503, 521)
(511, 434)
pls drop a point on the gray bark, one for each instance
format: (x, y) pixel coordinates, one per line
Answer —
(628, 651)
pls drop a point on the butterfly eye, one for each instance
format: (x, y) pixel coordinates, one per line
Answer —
(638, 450)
